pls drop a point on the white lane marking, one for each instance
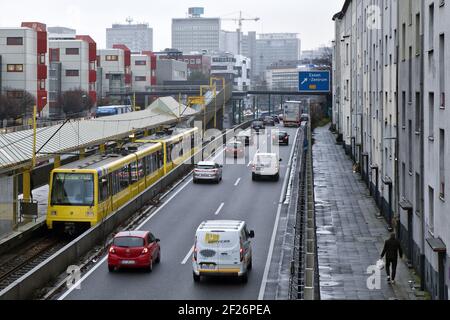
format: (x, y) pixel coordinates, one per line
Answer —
(262, 289)
(185, 260)
(79, 282)
(237, 182)
(249, 163)
(219, 209)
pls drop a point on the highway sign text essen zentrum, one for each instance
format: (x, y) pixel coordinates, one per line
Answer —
(314, 81)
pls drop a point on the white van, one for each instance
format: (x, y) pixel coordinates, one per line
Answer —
(222, 248)
(266, 165)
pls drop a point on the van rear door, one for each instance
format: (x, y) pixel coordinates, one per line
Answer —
(207, 251)
(229, 247)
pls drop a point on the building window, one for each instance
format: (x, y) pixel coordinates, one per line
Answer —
(14, 41)
(431, 114)
(140, 78)
(15, 67)
(418, 48)
(140, 63)
(15, 94)
(431, 27)
(54, 55)
(418, 113)
(72, 73)
(442, 68)
(418, 193)
(42, 84)
(431, 209)
(442, 162)
(72, 51)
(112, 58)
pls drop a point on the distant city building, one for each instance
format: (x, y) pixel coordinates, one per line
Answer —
(137, 37)
(114, 71)
(234, 68)
(196, 62)
(274, 47)
(283, 76)
(229, 41)
(72, 66)
(23, 61)
(196, 33)
(317, 54)
(170, 70)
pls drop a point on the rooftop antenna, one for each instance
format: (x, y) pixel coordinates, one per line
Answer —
(129, 20)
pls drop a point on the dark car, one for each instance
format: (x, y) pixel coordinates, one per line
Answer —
(269, 121)
(282, 138)
(258, 126)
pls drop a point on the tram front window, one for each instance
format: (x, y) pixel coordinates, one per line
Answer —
(73, 189)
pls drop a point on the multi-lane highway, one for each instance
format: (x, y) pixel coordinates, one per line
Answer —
(175, 222)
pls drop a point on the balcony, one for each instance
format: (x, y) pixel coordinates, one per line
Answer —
(128, 79)
(92, 76)
(93, 96)
(42, 71)
(41, 99)
(42, 42)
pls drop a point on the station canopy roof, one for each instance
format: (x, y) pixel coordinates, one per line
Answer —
(16, 148)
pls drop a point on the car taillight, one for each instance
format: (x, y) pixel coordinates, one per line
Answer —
(242, 254)
(145, 251)
(111, 250)
(195, 251)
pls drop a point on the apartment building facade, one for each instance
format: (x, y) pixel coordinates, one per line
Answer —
(114, 71)
(389, 108)
(73, 65)
(436, 129)
(234, 68)
(23, 62)
(143, 70)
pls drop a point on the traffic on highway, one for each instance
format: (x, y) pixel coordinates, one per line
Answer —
(214, 236)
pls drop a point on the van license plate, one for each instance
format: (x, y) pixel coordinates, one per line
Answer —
(209, 267)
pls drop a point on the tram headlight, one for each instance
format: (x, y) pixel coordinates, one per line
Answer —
(53, 213)
(90, 214)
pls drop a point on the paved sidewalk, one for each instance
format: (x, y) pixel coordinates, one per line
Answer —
(350, 236)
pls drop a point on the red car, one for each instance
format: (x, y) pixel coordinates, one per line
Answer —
(235, 149)
(134, 249)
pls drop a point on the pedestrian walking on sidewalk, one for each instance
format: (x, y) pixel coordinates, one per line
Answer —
(392, 249)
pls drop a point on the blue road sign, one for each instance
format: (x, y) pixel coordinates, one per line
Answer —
(314, 81)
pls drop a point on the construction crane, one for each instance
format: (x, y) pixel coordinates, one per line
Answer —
(240, 20)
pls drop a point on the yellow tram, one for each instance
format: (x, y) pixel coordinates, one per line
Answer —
(85, 192)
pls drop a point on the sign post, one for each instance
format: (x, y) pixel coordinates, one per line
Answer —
(314, 81)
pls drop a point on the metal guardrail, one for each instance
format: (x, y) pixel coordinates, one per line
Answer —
(304, 282)
(25, 287)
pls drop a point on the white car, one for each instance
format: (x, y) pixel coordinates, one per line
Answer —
(222, 248)
(266, 165)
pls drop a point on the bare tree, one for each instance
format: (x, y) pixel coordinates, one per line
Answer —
(75, 103)
(19, 104)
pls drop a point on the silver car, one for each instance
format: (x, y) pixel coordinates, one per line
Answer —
(208, 171)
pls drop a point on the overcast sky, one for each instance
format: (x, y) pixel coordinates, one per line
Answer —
(311, 19)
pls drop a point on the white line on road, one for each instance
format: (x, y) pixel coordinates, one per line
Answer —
(185, 260)
(78, 284)
(262, 289)
(219, 209)
(237, 182)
